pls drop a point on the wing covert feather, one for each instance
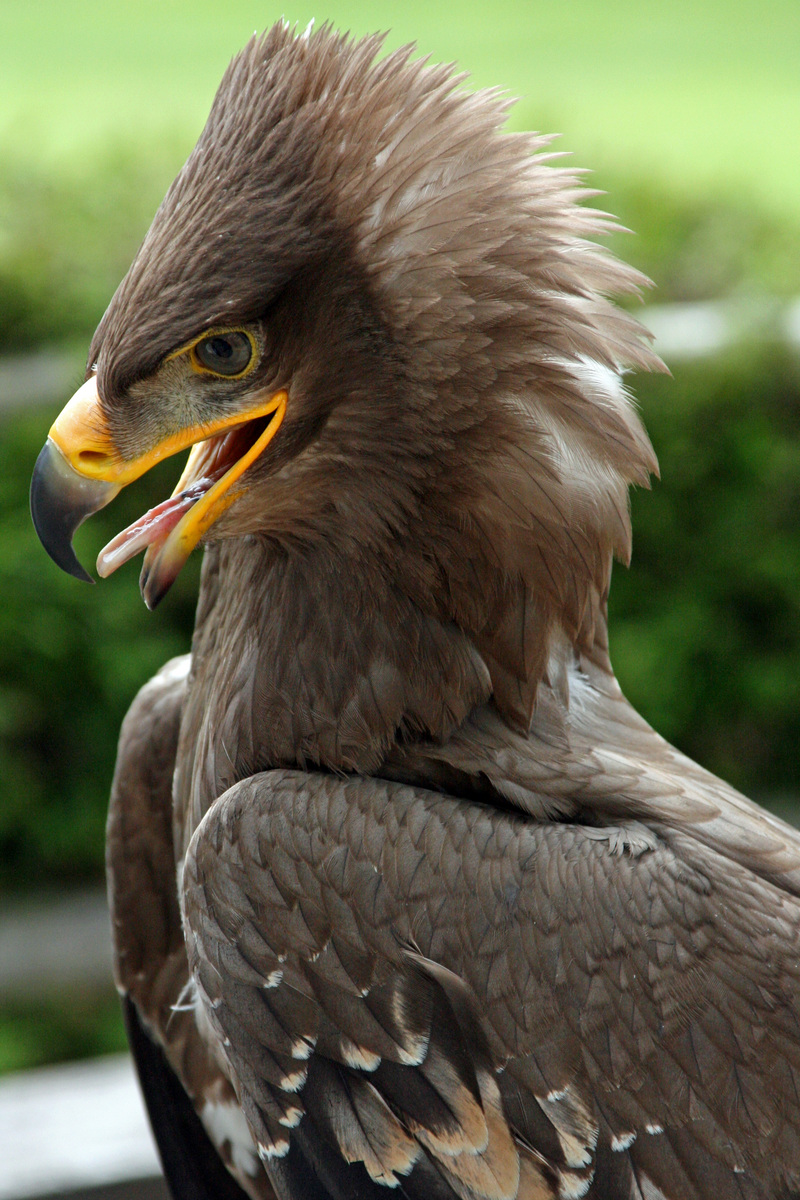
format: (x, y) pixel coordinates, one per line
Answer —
(528, 1001)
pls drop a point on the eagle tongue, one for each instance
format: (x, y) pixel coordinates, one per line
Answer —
(154, 526)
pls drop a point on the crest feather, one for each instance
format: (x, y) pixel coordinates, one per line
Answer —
(513, 440)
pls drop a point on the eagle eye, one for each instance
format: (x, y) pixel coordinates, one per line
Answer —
(224, 353)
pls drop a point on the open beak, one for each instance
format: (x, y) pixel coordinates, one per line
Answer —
(80, 470)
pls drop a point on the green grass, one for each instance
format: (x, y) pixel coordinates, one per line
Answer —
(701, 94)
(683, 110)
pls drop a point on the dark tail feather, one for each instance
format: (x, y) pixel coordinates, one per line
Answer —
(312, 1170)
(192, 1167)
(315, 1170)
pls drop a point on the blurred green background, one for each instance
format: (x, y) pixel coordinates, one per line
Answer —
(689, 116)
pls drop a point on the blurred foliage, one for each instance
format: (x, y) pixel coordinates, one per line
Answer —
(705, 627)
(695, 248)
(68, 236)
(71, 658)
(48, 1030)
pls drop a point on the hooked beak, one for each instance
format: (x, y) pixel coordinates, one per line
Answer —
(61, 500)
(80, 470)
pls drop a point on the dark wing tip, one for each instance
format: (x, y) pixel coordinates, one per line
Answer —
(192, 1167)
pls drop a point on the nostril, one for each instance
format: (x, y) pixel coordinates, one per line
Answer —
(93, 458)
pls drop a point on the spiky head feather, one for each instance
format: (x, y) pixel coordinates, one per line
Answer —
(440, 318)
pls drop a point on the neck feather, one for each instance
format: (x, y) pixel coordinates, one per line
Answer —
(295, 663)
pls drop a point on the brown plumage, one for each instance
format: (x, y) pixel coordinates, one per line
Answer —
(410, 898)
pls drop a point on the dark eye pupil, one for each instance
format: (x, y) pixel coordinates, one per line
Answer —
(225, 354)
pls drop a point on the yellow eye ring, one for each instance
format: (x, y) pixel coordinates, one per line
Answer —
(222, 353)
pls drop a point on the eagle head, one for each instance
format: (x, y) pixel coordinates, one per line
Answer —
(381, 326)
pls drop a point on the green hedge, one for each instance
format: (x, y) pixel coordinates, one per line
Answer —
(699, 248)
(705, 627)
(71, 658)
(34, 1033)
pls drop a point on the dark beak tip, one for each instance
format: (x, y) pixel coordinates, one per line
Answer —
(153, 588)
(61, 500)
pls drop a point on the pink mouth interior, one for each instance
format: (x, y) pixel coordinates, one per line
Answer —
(154, 527)
(218, 455)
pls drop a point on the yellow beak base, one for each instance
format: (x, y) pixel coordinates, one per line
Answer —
(80, 470)
(163, 560)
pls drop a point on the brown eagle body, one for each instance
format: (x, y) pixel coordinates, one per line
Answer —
(407, 899)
